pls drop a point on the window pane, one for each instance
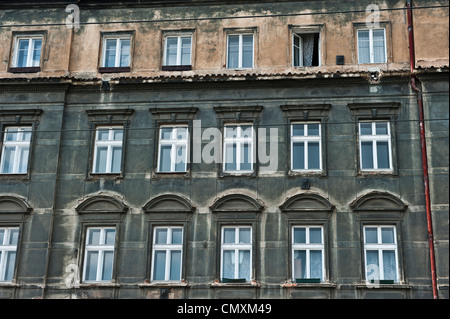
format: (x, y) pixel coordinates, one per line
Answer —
(381, 128)
(159, 265)
(230, 157)
(181, 133)
(11, 134)
(186, 51)
(110, 236)
(372, 264)
(299, 264)
(246, 131)
(175, 265)
(91, 265)
(363, 46)
(371, 235)
(389, 265)
(315, 235)
(298, 156)
(125, 53)
(165, 158)
(13, 237)
(315, 260)
(102, 153)
(180, 159)
(110, 53)
(387, 235)
(299, 235)
(9, 265)
(8, 159)
(116, 159)
(233, 51)
(231, 131)
(365, 128)
(246, 156)
(229, 235)
(166, 133)
(118, 134)
(37, 43)
(102, 134)
(26, 134)
(297, 51)
(247, 51)
(313, 130)
(244, 235)
(367, 155)
(23, 163)
(378, 46)
(298, 130)
(244, 264)
(171, 51)
(2, 235)
(94, 236)
(383, 154)
(107, 265)
(313, 155)
(228, 264)
(161, 236)
(177, 236)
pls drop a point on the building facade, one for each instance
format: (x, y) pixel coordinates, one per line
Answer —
(202, 149)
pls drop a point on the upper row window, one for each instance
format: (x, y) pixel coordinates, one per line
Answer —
(116, 50)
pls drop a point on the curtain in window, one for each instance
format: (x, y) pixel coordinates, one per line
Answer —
(308, 48)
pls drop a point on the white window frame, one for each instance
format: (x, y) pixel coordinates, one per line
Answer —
(371, 51)
(374, 138)
(306, 139)
(110, 144)
(174, 142)
(300, 58)
(236, 246)
(29, 62)
(168, 247)
(5, 249)
(238, 140)
(240, 54)
(179, 47)
(101, 248)
(380, 247)
(19, 145)
(118, 55)
(307, 246)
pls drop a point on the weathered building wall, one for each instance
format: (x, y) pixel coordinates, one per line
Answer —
(59, 186)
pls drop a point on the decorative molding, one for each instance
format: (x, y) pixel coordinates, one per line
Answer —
(306, 111)
(377, 201)
(101, 204)
(169, 203)
(13, 204)
(306, 202)
(235, 203)
(174, 114)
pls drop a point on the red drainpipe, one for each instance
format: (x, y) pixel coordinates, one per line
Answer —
(423, 146)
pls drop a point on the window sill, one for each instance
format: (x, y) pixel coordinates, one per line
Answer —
(322, 284)
(114, 69)
(105, 176)
(33, 69)
(99, 284)
(176, 67)
(163, 284)
(395, 285)
(164, 175)
(217, 283)
(238, 174)
(365, 173)
(24, 176)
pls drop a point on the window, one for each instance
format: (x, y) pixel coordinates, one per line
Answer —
(372, 46)
(108, 150)
(8, 248)
(167, 253)
(27, 52)
(173, 149)
(116, 52)
(306, 147)
(380, 252)
(15, 150)
(305, 49)
(240, 51)
(99, 254)
(236, 251)
(238, 148)
(307, 253)
(375, 146)
(177, 50)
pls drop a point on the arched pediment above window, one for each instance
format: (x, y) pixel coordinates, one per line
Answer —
(12, 204)
(237, 203)
(169, 204)
(378, 201)
(306, 203)
(101, 204)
